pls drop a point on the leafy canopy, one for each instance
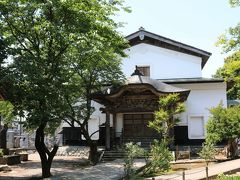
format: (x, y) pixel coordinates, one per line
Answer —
(41, 36)
(231, 73)
(234, 3)
(224, 123)
(230, 42)
(6, 111)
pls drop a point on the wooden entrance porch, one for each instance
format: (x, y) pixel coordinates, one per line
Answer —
(137, 100)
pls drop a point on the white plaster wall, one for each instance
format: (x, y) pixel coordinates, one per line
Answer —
(164, 63)
(97, 118)
(201, 98)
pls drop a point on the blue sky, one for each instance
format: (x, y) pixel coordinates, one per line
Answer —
(193, 22)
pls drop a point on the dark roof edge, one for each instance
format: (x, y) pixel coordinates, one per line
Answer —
(191, 81)
(170, 41)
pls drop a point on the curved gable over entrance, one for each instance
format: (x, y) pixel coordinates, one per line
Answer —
(138, 94)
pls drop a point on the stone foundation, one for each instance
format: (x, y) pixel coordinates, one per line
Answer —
(79, 151)
(10, 159)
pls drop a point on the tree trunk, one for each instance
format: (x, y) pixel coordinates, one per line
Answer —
(46, 156)
(3, 136)
(93, 154)
(231, 148)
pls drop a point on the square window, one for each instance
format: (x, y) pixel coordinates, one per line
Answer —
(145, 70)
(196, 127)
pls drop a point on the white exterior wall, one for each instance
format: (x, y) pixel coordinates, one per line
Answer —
(202, 97)
(164, 63)
(97, 118)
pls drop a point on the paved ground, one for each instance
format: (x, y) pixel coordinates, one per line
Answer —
(67, 167)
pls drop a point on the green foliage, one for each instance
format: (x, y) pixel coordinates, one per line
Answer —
(132, 151)
(166, 117)
(230, 41)
(234, 3)
(208, 152)
(227, 177)
(231, 73)
(51, 43)
(6, 110)
(3, 53)
(160, 158)
(224, 123)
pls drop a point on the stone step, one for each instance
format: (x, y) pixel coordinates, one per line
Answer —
(112, 155)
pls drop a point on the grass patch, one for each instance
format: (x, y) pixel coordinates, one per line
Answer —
(227, 177)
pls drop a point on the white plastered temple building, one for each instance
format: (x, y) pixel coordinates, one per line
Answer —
(155, 66)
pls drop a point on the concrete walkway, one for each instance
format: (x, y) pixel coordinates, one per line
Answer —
(200, 173)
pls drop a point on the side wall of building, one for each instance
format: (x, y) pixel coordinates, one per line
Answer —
(202, 97)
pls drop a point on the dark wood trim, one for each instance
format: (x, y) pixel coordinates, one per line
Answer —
(107, 125)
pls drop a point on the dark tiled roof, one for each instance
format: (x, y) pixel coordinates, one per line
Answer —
(143, 36)
(191, 80)
(158, 86)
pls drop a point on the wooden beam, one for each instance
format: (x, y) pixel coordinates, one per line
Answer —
(107, 125)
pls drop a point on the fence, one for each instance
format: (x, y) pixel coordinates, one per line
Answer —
(183, 174)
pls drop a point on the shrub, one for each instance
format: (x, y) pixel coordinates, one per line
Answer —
(226, 177)
(208, 152)
(132, 151)
(161, 157)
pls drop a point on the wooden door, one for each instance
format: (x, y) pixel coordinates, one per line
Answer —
(136, 125)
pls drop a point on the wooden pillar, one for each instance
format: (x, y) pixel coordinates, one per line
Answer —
(107, 125)
(114, 122)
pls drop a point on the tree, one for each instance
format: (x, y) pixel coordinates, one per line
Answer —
(231, 73)
(230, 42)
(99, 65)
(160, 158)
(6, 111)
(40, 36)
(132, 152)
(234, 3)
(207, 153)
(166, 117)
(224, 124)
(3, 53)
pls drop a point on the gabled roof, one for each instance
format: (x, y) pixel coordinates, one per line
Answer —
(143, 36)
